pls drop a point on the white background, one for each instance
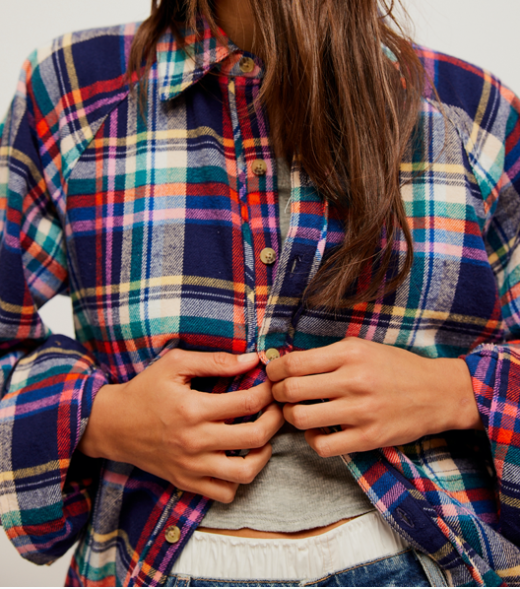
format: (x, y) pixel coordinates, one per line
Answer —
(483, 32)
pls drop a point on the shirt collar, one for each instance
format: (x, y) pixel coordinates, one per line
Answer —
(178, 67)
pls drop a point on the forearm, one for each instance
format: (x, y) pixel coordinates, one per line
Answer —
(44, 500)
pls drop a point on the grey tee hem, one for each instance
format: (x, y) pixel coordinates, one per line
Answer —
(297, 490)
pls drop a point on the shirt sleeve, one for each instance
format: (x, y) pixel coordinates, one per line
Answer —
(47, 382)
(495, 368)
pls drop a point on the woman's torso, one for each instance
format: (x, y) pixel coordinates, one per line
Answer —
(167, 222)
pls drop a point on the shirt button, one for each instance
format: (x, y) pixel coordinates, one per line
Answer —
(268, 256)
(272, 354)
(259, 168)
(172, 534)
(247, 65)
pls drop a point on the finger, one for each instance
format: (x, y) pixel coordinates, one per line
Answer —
(345, 442)
(306, 417)
(184, 365)
(236, 469)
(296, 389)
(244, 436)
(233, 404)
(315, 361)
(213, 488)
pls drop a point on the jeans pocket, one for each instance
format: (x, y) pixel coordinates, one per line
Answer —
(432, 570)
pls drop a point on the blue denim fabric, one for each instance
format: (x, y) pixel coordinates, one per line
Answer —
(407, 569)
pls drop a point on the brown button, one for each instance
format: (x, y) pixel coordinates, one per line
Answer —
(259, 168)
(172, 534)
(247, 65)
(272, 354)
(268, 256)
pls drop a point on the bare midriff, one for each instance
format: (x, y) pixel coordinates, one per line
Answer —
(249, 533)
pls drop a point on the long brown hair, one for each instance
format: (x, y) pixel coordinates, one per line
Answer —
(339, 103)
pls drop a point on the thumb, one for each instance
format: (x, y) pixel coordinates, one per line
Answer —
(187, 365)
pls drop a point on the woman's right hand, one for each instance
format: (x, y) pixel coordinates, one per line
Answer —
(159, 424)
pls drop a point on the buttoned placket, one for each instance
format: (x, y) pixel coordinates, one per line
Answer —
(271, 316)
(243, 75)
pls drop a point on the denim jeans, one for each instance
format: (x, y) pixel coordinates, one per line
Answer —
(408, 569)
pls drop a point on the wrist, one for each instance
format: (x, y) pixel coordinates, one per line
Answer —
(96, 439)
(459, 405)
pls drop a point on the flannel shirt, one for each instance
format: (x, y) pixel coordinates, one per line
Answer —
(155, 230)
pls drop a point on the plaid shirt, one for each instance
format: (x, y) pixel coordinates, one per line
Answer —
(155, 230)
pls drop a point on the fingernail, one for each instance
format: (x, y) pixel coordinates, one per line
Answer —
(248, 357)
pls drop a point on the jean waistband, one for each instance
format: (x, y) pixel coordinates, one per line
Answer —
(363, 539)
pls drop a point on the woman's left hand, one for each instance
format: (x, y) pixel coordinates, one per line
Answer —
(379, 394)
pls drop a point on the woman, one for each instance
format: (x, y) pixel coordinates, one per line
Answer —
(146, 171)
